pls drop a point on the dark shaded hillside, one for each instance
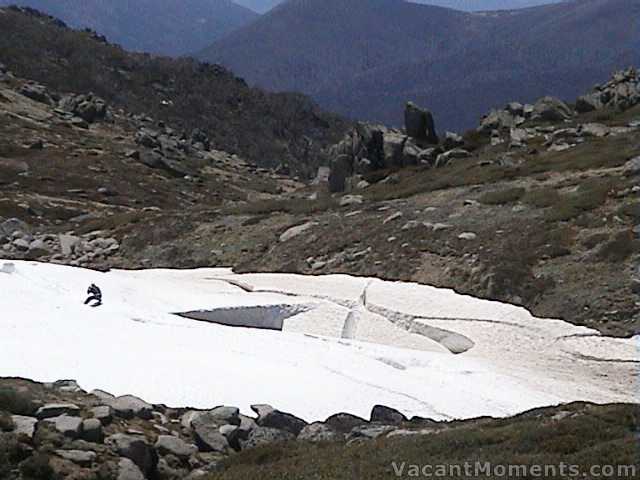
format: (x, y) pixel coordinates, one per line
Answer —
(168, 27)
(307, 45)
(459, 65)
(268, 129)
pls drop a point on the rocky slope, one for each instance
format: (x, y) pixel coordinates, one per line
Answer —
(57, 430)
(377, 54)
(166, 27)
(541, 212)
(69, 159)
(270, 130)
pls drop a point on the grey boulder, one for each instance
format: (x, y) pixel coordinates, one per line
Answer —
(318, 432)
(419, 123)
(136, 449)
(52, 410)
(128, 406)
(70, 427)
(170, 445)
(387, 415)
(79, 457)
(24, 425)
(281, 421)
(127, 470)
(265, 436)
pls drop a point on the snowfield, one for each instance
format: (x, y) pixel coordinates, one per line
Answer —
(356, 343)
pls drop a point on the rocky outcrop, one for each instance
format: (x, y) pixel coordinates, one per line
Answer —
(89, 107)
(621, 92)
(18, 241)
(156, 442)
(515, 115)
(419, 123)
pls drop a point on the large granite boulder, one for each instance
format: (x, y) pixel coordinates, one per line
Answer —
(419, 123)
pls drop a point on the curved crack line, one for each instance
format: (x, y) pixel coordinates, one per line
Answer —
(393, 392)
(590, 358)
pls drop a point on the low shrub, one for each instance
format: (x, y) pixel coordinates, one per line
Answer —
(590, 195)
(619, 248)
(502, 197)
(631, 211)
(542, 197)
(6, 424)
(11, 453)
(16, 402)
(592, 241)
(294, 206)
(37, 468)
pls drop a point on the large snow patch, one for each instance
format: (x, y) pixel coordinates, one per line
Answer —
(354, 343)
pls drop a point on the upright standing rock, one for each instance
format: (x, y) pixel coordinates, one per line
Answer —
(419, 123)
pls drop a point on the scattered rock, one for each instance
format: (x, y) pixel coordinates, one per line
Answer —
(318, 432)
(102, 395)
(351, 200)
(92, 430)
(89, 108)
(36, 92)
(444, 158)
(369, 431)
(467, 236)
(68, 243)
(129, 407)
(127, 470)
(281, 421)
(296, 231)
(170, 445)
(70, 427)
(266, 436)
(344, 422)
(136, 449)
(392, 217)
(632, 167)
(103, 413)
(594, 130)
(52, 410)
(79, 457)
(24, 425)
(452, 140)
(208, 437)
(551, 109)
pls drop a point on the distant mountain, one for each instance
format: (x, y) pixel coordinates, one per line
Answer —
(263, 6)
(365, 58)
(169, 27)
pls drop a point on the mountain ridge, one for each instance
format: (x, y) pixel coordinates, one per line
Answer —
(168, 27)
(558, 49)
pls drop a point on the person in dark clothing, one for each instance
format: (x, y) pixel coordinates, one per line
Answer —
(95, 295)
